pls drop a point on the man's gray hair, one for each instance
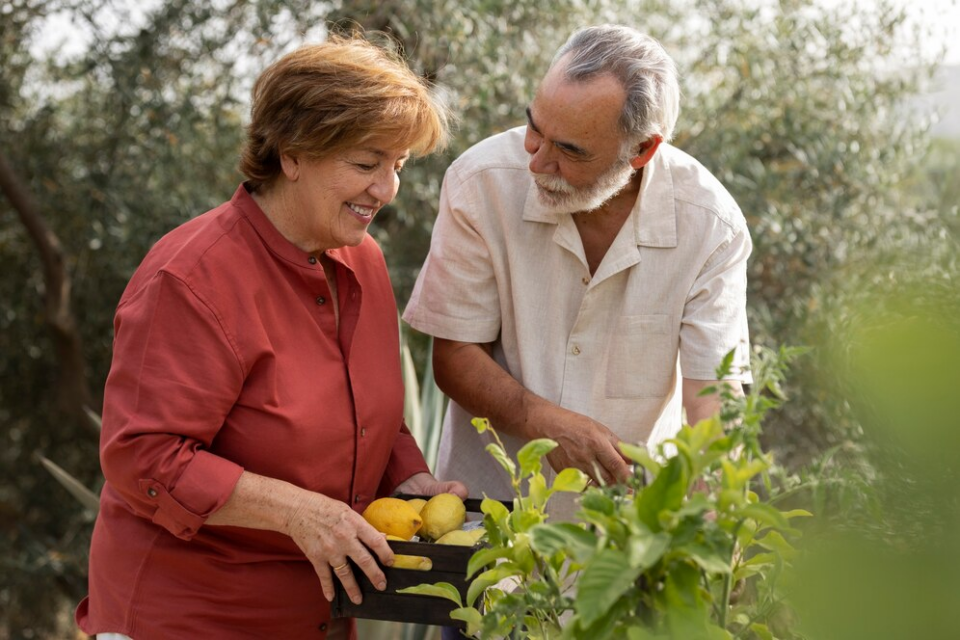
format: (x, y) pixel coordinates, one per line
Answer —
(643, 68)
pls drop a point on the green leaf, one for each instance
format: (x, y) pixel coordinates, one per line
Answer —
(495, 521)
(412, 410)
(776, 542)
(702, 433)
(521, 521)
(537, 490)
(84, 496)
(761, 559)
(796, 513)
(572, 480)
(531, 453)
(566, 537)
(480, 424)
(665, 492)
(646, 549)
(489, 578)
(710, 560)
(500, 456)
(471, 616)
(482, 558)
(641, 633)
(595, 500)
(438, 590)
(764, 514)
(762, 631)
(494, 508)
(641, 456)
(602, 583)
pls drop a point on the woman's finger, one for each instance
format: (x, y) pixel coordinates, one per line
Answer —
(345, 576)
(368, 565)
(377, 542)
(326, 580)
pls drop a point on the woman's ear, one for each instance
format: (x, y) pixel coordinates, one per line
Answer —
(645, 152)
(290, 166)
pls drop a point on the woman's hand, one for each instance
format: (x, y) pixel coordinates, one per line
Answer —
(329, 532)
(424, 484)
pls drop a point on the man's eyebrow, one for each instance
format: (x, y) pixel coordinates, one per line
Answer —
(530, 121)
(569, 147)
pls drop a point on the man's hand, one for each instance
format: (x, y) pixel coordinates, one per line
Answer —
(469, 375)
(424, 484)
(585, 444)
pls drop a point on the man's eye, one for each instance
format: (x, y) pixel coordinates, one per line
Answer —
(365, 167)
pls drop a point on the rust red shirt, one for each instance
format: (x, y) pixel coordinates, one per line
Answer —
(227, 357)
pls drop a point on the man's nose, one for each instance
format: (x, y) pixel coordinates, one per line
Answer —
(541, 160)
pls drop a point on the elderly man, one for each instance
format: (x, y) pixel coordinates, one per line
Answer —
(585, 278)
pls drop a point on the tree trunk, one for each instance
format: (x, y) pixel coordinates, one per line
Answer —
(73, 393)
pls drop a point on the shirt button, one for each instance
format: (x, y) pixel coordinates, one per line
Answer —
(323, 627)
(321, 300)
(353, 296)
(585, 280)
(576, 350)
(356, 498)
(363, 432)
(312, 260)
(152, 492)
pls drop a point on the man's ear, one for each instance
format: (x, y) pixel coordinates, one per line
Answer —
(290, 165)
(645, 152)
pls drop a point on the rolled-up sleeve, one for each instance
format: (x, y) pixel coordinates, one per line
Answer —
(456, 295)
(175, 376)
(714, 315)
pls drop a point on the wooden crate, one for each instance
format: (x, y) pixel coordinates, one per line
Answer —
(449, 565)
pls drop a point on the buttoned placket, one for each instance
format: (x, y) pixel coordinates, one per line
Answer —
(622, 255)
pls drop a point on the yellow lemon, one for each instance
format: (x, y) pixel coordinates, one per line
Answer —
(417, 503)
(417, 563)
(394, 517)
(442, 513)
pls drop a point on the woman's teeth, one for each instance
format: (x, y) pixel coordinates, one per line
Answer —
(363, 211)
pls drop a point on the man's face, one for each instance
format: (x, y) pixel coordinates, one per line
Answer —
(574, 142)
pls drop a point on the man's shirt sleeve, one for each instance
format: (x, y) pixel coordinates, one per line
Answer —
(456, 295)
(714, 315)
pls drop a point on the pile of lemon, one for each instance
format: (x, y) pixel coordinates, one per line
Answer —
(439, 519)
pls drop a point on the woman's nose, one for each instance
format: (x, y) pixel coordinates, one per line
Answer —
(385, 187)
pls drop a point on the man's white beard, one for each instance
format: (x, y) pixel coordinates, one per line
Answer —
(560, 196)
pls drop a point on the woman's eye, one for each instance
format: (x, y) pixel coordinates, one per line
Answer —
(365, 167)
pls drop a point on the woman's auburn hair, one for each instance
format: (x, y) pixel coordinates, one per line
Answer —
(324, 98)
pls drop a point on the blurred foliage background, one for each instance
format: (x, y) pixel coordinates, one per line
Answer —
(803, 111)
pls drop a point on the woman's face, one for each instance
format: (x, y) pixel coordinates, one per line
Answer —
(336, 198)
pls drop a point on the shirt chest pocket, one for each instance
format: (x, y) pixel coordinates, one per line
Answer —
(642, 357)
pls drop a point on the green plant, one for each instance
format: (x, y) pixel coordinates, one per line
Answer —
(659, 556)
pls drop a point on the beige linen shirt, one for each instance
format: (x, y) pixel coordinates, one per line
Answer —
(667, 301)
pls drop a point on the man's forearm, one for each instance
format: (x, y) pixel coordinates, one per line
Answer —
(700, 407)
(470, 376)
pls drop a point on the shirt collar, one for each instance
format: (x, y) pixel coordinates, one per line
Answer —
(274, 240)
(654, 215)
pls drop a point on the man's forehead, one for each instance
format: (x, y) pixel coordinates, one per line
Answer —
(579, 110)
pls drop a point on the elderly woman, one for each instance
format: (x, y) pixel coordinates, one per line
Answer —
(254, 405)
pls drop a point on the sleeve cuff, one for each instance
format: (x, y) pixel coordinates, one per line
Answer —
(204, 487)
